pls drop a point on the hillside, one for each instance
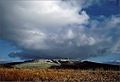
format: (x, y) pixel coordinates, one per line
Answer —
(87, 65)
(42, 63)
(61, 64)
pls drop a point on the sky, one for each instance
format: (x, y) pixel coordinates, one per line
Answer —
(77, 29)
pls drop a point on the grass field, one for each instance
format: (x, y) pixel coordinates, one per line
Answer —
(63, 75)
(41, 64)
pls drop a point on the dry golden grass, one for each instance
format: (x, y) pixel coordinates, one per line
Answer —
(63, 75)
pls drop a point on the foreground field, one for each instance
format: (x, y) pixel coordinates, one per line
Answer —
(57, 75)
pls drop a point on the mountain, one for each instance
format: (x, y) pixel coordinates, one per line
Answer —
(3, 62)
(42, 63)
(62, 64)
(86, 65)
(117, 62)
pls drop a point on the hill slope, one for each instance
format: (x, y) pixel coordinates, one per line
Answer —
(61, 64)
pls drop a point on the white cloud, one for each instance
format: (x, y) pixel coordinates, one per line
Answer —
(48, 13)
(70, 34)
(36, 20)
(53, 27)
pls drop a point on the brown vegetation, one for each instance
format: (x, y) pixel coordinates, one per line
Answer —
(57, 75)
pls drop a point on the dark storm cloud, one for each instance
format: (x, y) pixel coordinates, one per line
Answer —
(56, 29)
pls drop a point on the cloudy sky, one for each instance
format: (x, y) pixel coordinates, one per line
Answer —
(80, 29)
